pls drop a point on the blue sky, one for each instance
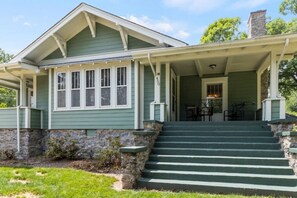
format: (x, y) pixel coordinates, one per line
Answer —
(22, 21)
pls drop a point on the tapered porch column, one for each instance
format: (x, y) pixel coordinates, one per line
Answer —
(23, 88)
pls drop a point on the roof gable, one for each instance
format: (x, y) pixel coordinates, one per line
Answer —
(84, 18)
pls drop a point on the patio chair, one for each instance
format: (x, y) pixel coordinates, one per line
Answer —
(191, 112)
(236, 112)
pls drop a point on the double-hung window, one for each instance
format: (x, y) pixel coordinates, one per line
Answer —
(105, 87)
(90, 88)
(121, 86)
(75, 89)
(61, 90)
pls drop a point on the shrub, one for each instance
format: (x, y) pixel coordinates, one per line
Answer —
(7, 154)
(110, 156)
(62, 148)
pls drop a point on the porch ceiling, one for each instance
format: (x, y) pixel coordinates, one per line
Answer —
(224, 65)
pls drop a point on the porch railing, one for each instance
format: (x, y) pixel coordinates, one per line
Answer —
(21, 117)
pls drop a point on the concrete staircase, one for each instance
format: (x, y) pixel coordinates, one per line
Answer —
(219, 157)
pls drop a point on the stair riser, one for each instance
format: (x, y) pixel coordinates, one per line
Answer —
(218, 134)
(241, 153)
(220, 169)
(215, 139)
(237, 123)
(217, 146)
(225, 179)
(214, 128)
(212, 189)
(260, 162)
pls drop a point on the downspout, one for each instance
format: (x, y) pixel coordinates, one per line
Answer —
(18, 110)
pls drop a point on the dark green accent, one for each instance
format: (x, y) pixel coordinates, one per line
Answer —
(91, 132)
(163, 84)
(135, 43)
(56, 54)
(133, 149)
(148, 91)
(190, 93)
(8, 118)
(284, 121)
(42, 97)
(275, 108)
(144, 133)
(287, 133)
(293, 150)
(157, 112)
(35, 119)
(242, 87)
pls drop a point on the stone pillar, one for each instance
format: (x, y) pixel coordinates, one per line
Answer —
(257, 24)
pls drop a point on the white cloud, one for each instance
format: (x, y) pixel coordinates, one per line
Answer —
(181, 34)
(248, 4)
(21, 19)
(199, 6)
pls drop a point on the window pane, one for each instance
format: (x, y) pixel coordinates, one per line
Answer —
(122, 95)
(122, 76)
(105, 96)
(90, 97)
(105, 77)
(75, 80)
(75, 98)
(61, 98)
(90, 78)
(61, 81)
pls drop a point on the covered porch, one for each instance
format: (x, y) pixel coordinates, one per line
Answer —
(21, 77)
(241, 74)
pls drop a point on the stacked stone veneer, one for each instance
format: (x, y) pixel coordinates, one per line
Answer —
(287, 142)
(31, 142)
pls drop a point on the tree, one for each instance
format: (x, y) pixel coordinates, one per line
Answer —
(224, 29)
(288, 6)
(7, 96)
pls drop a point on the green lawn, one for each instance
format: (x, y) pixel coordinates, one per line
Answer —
(54, 182)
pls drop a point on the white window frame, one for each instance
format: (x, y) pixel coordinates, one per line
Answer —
(116, 86)
(110, 86)
(56, 90)
(86, 88)
(82, 70)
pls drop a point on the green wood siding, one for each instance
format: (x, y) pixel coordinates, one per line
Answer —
(157, 112)
(242, 87)
(134, 43)
(275, 108)
(8, 118)
(95, 119)
(190, 93)
(163, 84)
(148, 91)
(35, 119)
(42, 98)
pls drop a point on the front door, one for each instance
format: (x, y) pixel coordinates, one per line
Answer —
(214, 95)
(173, 97)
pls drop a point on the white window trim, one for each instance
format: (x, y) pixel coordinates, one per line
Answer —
(56, 90)
(71, 89)
(85, 88)
(128, 79)
(110, 86)
(97, 106)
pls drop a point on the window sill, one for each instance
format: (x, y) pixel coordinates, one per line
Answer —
(93, 109)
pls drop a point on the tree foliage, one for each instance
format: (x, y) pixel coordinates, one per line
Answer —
(224, 29)
(288, 6)
(7, 96)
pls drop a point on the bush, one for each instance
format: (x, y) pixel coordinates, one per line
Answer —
(62, 148)
(110, 156)
(7, 154)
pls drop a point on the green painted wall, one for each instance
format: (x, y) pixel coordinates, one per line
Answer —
(42, 97)
(95, 119)
(106, 40)
(190, 93)
(275, 108)
(242, 87)
(8, 118)
(35, 119)
(148, 91)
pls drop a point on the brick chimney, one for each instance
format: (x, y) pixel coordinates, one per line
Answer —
(256, 24)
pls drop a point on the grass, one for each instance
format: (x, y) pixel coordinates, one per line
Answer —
(55, 182)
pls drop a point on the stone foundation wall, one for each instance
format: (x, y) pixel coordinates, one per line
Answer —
(31, 142)
(91, 145)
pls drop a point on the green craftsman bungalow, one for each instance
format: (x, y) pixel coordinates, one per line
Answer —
(94, 70)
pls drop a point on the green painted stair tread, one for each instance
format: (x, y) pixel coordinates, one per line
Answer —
(216, 187)
(220, 152)
(235, 145)
(236, 123)
(218, 134)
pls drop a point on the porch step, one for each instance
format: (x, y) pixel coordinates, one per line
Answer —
(261, 161)
(218, 152)
(217, 145)
(260, 179)
(216, 187)
(224, 168)
(213, 128)
(218, 133)
(218, 139)
(218, 124)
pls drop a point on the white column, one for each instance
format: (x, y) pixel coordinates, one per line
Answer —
(141, 93)
(50, 99)
(23, 89)
(167, 85)
(273, 78)
(158, 83)
(34, 91)
(136, 95)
